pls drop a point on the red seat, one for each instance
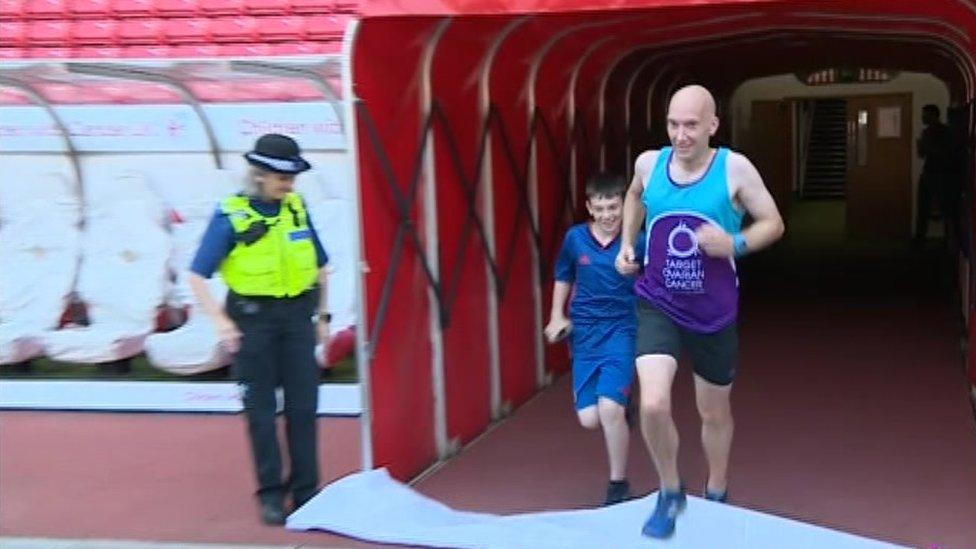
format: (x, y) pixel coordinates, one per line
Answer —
(70, 93)
(147, 52)
(246, 50)
(13, 33)
(184, 31)
(11, 96)
(45, 9)
(267, 7)
(234, 29)
(141, 31)
(313, 6)
(139, 92)
(326, 27)
(13, 53)
(12, 9)
(133, 8)
(222, 7)
(49, 33)
(195, 50)
(90, 9)
(346, 6)
(97, 52)
(287, 90)
(278, 29)
(178, 8)
(49, 53)
(210, 91)
(94, 32)
(298, 48)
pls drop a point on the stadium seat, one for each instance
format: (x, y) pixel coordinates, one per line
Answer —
(194, 50)
(346, 6)
(326, 27)
(93, 32)
(49, 33)
(217, 8)
(13, 33)
(48, 53)
(209, 91)
(267, 7)
(246, 50)
(12, 10)
(11, 96)
(312, 6)
(121, 280)
(193, 347)
(40, 239)
(90, 9)
(147, 52)
(141, 31)
(234, 29)
(45, 9)
(178, 8)
(187, 31)
(133, 8)
(298, 48)
(97, 52)
(280, 29)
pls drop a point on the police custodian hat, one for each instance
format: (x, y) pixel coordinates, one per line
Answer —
(277, 153)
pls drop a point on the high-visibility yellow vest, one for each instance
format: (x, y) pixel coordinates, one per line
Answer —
(282, 263)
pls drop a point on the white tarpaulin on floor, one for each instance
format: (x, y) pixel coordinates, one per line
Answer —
(374, 507)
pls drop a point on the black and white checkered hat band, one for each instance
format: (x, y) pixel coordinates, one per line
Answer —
(278, 164)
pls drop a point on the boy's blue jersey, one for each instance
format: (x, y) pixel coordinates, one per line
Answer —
(600, 292)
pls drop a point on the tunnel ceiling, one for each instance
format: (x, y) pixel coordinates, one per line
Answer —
(726, 42)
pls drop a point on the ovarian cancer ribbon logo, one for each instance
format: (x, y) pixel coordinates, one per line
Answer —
(689, 243)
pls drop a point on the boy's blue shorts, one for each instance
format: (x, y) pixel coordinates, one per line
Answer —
(603, 361)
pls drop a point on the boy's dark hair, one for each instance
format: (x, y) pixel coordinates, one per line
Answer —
(606, 185)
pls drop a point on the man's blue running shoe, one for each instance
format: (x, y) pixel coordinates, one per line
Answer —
(661, 522)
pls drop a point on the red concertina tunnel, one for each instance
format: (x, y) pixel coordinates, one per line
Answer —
(477, 123)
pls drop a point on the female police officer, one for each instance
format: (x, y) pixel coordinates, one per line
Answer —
(270, 256)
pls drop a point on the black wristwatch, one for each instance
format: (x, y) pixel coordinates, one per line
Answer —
(327, 317)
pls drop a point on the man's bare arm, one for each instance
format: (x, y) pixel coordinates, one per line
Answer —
(633, 206)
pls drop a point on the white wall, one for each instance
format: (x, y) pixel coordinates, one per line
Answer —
(924, 88)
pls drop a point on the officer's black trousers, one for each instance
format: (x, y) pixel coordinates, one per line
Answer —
(278, 349)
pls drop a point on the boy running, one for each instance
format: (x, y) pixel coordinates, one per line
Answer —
(603, 326)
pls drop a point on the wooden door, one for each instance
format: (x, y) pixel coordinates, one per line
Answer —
(879, 161)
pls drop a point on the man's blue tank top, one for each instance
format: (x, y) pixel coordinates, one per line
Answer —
(698, 292)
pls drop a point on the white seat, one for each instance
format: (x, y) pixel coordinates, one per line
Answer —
(39, 246)
(122, 277)
(194, 347)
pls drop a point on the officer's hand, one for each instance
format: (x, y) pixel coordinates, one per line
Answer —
(228, 334)
(714, 241)
(557, 329)
(626, 262)
(322, 333)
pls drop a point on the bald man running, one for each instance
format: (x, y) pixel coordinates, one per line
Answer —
(693, 198)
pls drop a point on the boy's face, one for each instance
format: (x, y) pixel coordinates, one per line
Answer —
(607, 211)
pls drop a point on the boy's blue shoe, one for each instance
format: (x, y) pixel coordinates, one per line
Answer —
(720, 497)
(661, 522)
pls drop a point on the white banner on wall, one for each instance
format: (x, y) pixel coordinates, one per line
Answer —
(168, 128)
(156, 396)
